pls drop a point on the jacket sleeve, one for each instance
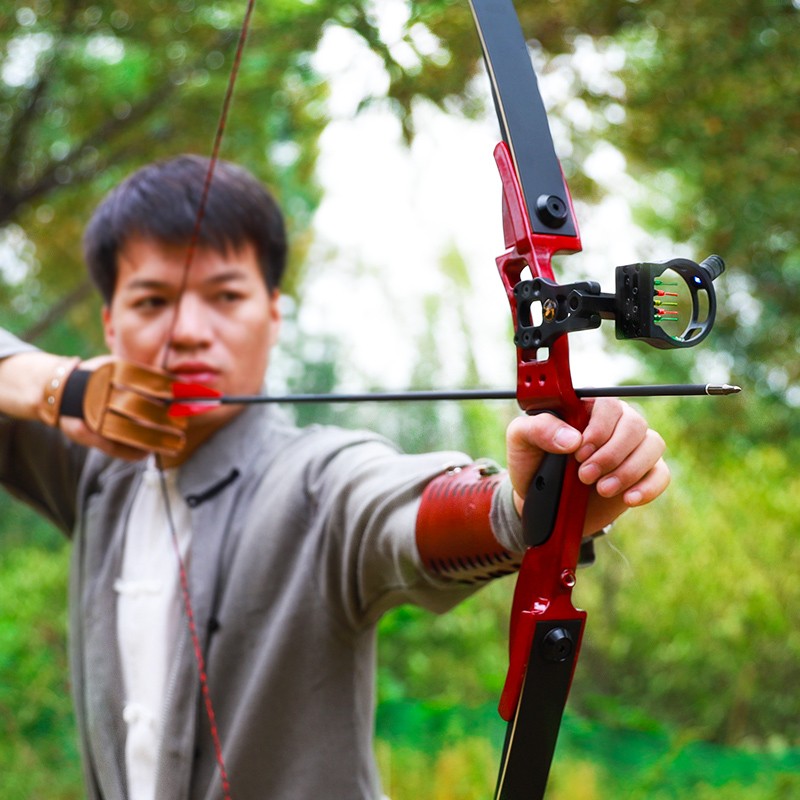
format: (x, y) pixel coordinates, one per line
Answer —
(37, 464)
(366, 497)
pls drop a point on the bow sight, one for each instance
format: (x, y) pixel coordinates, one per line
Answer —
(666, 304)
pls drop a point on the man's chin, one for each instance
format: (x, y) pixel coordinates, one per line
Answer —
(201, 427)
(213, 418)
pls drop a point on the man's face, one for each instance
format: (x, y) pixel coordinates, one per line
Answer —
(225, 319)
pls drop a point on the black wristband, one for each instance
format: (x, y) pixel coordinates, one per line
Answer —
(74, 391)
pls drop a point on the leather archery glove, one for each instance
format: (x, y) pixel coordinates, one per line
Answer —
(120, 401)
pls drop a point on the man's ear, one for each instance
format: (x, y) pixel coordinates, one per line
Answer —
(108, 328)
(276, 317)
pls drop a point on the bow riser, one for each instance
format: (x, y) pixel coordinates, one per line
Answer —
(543, 593)
(547, 576)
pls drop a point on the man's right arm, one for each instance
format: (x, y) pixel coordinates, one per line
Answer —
(37, 465)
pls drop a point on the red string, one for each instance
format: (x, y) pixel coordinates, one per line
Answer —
(190, 255)
(196, 647)
(212, 165)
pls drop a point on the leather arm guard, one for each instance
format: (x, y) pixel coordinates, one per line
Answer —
(454, 534)
(122, 402)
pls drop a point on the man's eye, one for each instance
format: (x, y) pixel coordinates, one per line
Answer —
(150, 303)
(229, 296)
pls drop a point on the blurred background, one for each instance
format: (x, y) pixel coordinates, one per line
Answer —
(678, 126)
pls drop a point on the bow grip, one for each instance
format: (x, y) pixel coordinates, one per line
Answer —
(542, 499)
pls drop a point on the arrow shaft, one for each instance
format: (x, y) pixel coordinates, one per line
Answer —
(665, 390)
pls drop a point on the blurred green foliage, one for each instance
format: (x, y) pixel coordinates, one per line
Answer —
(38, 745)
(697, 613)
(433, 752)
(692, 635)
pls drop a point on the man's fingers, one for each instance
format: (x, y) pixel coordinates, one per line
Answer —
(614, 433)
(604, 510)
(606, 414)
(542, 433)
(619, 455)
(528, 438)
(121, 402)
(650, 487)
(624, 475)
(620, 471)
(77, 430)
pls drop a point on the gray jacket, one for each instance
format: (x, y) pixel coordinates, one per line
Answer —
(301, 540)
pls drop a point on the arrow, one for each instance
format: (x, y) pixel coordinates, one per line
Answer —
(192, 398)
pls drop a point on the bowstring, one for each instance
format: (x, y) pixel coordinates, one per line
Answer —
(191, 250)
(197, 649)
(212, 165)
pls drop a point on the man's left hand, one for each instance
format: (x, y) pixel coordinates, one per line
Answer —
(620, 456)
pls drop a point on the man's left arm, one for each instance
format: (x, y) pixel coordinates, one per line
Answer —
(468, 526)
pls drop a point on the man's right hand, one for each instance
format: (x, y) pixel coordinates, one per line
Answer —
(116, 406)
(105, 403)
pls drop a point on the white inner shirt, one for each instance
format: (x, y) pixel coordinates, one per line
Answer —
(149, 618)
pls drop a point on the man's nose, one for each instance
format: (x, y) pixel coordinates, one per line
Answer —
(192, 323)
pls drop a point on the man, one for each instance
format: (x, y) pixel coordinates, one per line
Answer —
(294, 542)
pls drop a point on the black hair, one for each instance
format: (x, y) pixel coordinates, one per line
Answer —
(161, 201)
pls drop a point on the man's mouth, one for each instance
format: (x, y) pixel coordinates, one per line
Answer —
(196, 372)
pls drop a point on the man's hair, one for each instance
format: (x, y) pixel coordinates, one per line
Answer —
(161, 201)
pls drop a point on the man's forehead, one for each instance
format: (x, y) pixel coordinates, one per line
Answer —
(150, 261)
